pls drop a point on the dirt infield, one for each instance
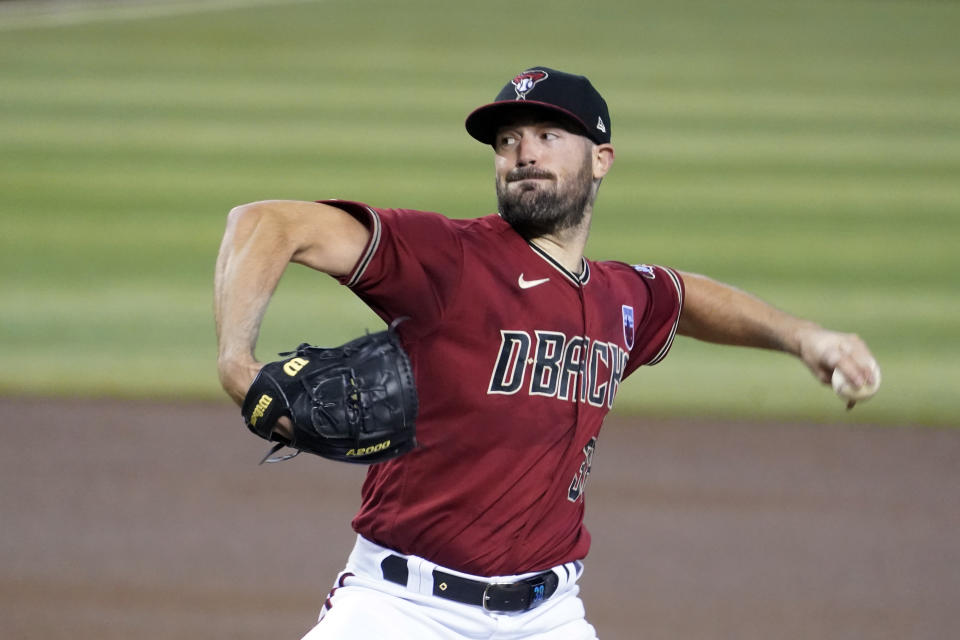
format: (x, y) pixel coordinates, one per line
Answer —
(129, 520)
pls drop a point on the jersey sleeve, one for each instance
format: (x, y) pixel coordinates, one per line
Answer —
(657, 327)
(411, 265)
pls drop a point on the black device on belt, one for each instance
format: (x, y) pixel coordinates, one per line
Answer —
(498, 597)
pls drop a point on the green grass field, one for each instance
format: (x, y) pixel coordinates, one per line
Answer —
(807, 151)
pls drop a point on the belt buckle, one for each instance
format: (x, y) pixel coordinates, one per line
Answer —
(513, 596)
(486, 595)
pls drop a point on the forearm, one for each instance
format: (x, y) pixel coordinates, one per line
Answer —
(260, 240)
(253, 256)
(716, 312)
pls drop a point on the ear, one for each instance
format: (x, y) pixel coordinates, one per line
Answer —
(603, 157)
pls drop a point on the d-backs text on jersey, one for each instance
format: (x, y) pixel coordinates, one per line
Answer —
(549, 363)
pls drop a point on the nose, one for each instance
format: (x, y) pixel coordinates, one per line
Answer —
(527, 153)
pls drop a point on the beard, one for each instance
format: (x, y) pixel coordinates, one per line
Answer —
(545, 209)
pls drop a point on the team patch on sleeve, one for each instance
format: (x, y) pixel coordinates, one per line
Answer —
(646, 271)
(629, 325)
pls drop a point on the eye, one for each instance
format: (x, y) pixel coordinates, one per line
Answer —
(549, 135)
(507, 140)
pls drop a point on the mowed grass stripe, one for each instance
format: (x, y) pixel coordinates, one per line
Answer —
(783, 389)
(888, 111)
(836, 255)
(907, 320)
(793, 152)
(799, 194)
(26, 15)
(643, 96)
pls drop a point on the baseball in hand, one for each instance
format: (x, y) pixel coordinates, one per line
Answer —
(848, 392)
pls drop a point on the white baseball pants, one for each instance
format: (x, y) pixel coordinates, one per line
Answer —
(365, 606)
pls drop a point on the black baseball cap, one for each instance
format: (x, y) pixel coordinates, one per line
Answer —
(553, 92)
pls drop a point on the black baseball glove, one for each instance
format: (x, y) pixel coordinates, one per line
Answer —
(355, 403)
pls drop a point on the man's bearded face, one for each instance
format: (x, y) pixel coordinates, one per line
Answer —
(537, 207)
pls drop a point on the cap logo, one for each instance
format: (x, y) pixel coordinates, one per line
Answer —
(600, 125)
(524, 83)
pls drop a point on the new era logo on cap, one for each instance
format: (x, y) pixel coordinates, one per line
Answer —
(557, 94)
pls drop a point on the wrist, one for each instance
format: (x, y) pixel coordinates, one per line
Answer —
(803, 334)
(236, 375)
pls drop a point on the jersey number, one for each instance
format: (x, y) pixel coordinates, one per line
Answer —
(579, 482)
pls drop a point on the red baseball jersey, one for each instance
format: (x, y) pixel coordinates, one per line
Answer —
(517, 361)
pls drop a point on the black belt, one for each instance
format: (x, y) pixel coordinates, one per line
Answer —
(499, 597)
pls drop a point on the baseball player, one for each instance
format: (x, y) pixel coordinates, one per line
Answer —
(518, 344)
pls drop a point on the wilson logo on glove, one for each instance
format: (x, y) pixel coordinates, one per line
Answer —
(354, 403)
(294, 366)
(260, 409)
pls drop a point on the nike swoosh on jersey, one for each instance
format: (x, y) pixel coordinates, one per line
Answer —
(527, 284)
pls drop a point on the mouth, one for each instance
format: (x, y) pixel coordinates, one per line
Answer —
(528, 185)
(532, 175)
